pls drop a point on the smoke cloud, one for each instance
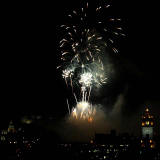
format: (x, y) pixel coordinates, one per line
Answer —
(79, 130)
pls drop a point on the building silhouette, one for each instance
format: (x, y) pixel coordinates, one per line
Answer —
(147, 128)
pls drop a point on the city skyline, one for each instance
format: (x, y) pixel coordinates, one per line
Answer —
(31, 84)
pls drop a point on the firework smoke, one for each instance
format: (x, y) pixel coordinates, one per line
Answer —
(104, 120)
(97, 125)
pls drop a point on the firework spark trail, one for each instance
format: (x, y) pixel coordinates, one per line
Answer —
(82, 49)
(68, 107)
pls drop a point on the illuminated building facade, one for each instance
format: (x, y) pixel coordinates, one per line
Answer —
(147, 125)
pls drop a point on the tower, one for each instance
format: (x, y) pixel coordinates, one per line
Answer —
(147, 125)
(11, 127)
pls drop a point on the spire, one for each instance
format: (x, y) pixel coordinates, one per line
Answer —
(147, 114)
(11, 127)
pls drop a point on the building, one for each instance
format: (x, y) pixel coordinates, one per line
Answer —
(147, 125)
(11, 128)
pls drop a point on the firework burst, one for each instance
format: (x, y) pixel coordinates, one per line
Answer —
(82, 47)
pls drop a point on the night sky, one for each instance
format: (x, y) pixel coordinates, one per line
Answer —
(30, 82)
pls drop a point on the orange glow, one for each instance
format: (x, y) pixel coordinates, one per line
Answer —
(90, 119)
(142, 123)
(150, 141)
(152, 123)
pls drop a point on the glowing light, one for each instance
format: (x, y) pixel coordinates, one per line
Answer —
(147, 122)
(84, 111)
(90, 119)
(91, 141)
(86, 79)
(67, 73)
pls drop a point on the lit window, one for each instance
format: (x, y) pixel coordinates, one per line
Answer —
(147, 122)
(152, 123)
(142, 123)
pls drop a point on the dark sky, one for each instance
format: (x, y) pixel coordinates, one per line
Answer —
(29, 80)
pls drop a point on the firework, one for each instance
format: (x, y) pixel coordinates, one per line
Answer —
(82, 47)
(83, 110)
